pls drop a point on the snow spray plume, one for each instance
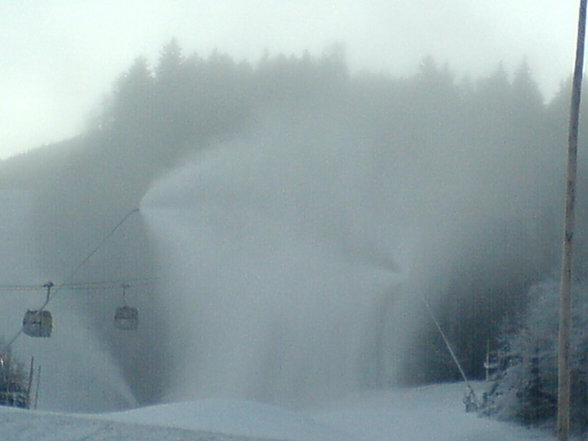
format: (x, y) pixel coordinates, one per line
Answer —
(295, 265)
(274, 294)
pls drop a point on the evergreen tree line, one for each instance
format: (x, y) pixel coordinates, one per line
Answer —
(481, 161)
(524, 384)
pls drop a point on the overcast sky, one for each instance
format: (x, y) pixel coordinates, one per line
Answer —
(60, 57)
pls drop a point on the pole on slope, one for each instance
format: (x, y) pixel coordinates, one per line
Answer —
(471, 391)
(38, 385)
(30, 383)
(563, 394)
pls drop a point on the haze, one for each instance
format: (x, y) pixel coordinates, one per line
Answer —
(60, 57)
(295, 210)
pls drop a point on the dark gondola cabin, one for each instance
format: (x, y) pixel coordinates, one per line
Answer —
(37, 323)
(126, 318)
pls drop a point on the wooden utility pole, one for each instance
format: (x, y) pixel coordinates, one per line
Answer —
(563, 395)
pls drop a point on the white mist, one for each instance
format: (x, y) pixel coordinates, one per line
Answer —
(277, 270)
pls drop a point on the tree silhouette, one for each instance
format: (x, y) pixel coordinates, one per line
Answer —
(133, 103)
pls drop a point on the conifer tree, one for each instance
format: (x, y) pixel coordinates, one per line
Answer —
(13, 382)
(133, 98)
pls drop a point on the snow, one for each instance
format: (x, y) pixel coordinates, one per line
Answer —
(23, 425)
(429, 413)
(432, 413)
(236, 417)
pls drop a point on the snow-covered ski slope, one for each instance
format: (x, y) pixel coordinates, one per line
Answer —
(431, 413)
(38, 426)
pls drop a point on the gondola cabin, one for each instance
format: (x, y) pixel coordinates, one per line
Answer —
(37, 323)
(126, 318)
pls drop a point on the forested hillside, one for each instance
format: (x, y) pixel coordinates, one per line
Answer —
(473, 162)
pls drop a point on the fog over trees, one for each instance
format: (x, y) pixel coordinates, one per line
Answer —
(475, 166)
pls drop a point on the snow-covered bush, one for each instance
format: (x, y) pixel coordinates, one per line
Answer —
(526, 387)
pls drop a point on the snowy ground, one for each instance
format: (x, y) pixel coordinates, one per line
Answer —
(431, 413)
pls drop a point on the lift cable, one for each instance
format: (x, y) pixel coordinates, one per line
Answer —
(51, 295)
(20, 288)
(107, 284)
(96, 286)
(95, 250)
